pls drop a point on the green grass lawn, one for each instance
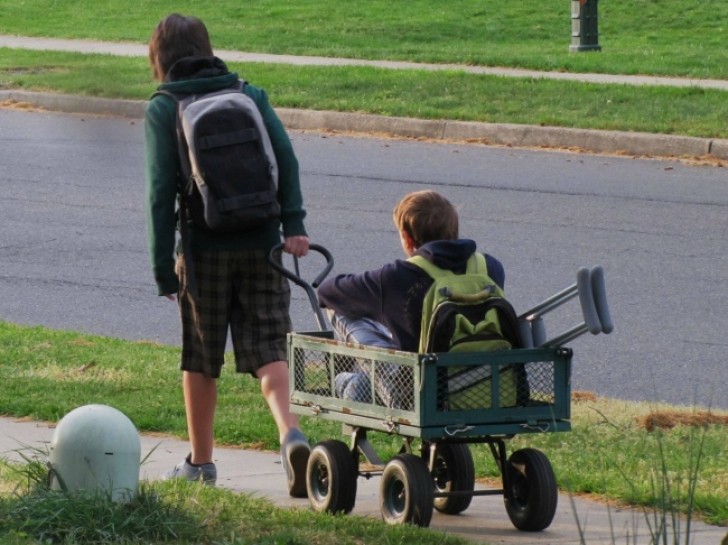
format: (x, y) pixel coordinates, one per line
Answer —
(668, 37)
(48, 373)
(416, 94)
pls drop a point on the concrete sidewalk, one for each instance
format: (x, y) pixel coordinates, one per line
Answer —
(260, 474)
(127, 49)
(629, 143)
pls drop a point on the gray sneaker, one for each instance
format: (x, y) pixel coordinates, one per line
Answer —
(206, 473)
(294, 457)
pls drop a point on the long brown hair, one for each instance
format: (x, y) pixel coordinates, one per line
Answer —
(177, 36)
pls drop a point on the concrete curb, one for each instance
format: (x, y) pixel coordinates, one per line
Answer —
(76, 104)
(599, 141)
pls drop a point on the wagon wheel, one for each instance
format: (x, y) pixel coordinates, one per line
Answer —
(406, 491)
(531, 495)
(453, 472)
(331, 477)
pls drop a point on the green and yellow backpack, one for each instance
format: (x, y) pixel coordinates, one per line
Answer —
(469, 313)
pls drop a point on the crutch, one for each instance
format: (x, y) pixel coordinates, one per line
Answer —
(592, 293)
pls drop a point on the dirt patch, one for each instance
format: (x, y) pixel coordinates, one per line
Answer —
(583, 397)
(15, 105)
(669, 419)
(707, 160)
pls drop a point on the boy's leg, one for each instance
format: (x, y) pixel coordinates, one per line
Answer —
(274, 386)
(354, 386)
(361, 330)
(295, 449)
(259, 321)
(371, 333)
(200, 393)
(203, 347)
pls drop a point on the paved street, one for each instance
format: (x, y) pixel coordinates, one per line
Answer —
(74, 252)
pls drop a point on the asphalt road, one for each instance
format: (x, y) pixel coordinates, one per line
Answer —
(73, 248)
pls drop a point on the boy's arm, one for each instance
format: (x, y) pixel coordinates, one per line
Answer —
(289, 186)
(357, 295)
(161, 191)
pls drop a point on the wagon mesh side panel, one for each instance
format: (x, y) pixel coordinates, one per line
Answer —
(541, 382)
(430, 395)
(471, 387)
(393, 385)
(362, 379)
(311, 374)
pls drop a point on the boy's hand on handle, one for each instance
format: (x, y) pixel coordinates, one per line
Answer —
(297, 246)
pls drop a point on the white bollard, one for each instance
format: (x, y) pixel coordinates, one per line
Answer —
(96, 448)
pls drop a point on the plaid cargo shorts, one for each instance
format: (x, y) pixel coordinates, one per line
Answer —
(240, 290)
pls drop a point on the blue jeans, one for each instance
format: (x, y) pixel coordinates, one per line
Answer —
(355, 385)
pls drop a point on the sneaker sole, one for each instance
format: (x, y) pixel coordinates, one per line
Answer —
(298, 461)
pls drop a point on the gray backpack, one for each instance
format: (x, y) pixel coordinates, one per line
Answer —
(227, 161)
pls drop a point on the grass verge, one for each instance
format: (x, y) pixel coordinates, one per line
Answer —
(609, 453)
(181, 513)
(410, 93)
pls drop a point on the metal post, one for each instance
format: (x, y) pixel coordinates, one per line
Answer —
(584, 25)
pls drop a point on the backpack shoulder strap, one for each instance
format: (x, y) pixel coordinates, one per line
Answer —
(183, 206)
(430, 268)
(476, 265)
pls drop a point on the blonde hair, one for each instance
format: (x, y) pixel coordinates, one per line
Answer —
(426, 216)
(176, 37)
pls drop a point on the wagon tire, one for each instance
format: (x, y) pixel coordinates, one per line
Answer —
(331, 477)
(406, 491)
(530, 494)
(453, 471)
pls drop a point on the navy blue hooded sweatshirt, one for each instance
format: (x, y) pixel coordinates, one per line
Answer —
(393, 294)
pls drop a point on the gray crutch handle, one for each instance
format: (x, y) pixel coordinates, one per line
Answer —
(591, 291)
(599, 289)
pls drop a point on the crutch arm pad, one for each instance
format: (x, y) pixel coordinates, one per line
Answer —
(586, 298)
(599, 290)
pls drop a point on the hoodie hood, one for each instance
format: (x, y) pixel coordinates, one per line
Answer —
(198, 75)
(448, 254)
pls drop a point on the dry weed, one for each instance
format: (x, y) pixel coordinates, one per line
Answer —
(670, 419)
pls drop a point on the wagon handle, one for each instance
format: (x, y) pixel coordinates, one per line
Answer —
(295, 277)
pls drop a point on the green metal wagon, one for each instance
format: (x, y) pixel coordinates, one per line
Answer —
(522, 391)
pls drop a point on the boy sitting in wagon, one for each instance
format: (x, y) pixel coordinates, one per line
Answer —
(384, 307)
